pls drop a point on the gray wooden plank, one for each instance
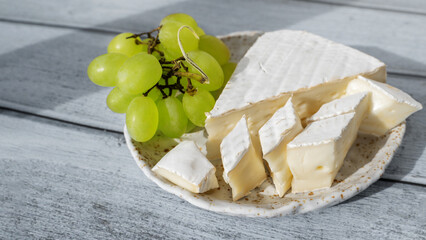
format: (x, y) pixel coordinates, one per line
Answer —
(54, 84)
(63, 181)
(395, 37)
(411, 6)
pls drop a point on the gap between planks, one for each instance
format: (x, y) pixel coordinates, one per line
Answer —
(402, 73)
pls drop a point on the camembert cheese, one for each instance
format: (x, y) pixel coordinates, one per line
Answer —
(188, 168)
(346, 104)
(279, 130)
(279, 63)
(316, 155)
(243, 166)
(389, 105)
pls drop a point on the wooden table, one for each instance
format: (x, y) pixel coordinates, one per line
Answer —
(65, 171)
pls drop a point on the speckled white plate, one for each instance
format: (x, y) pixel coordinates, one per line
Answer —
(364, 164)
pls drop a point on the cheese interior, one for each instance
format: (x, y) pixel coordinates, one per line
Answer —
(243, 165)
(181, 182)
(279, 130)
(316, 155)
(247, 175)
(389, 106)
(257, 115)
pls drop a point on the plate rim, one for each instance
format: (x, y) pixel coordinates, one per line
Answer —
(236, 209)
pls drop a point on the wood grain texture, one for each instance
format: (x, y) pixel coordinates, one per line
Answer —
(411, 6)
(68, 182)
(394, 37)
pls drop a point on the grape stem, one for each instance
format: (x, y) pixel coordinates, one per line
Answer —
(173, 70)
(146, 33)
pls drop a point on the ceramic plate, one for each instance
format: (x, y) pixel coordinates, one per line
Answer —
(364, 164)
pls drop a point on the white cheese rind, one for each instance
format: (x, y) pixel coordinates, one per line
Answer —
(389, 105)
(279, 130)
(286, 61)
(345, 104)
(188, 168)
(243, 166)
(316, 155)
(281, 63)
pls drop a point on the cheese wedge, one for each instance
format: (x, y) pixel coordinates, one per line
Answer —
(188, 168)
(279, 130)
(279, 63)
(346, 104)
(316, 155)
(389, 105)
(243, 166)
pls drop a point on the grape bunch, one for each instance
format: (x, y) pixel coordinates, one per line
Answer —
(163, 86)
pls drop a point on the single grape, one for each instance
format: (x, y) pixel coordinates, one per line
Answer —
(156, 54)
(211, 68)
(172, 119)
(142, 118)
(103, 69)
(128, 47)
(168, 37)
(215, 47)
(197, 105)
(118, 101)
(154, 94)
(145, 43)
(228, 69)
(200, 32)
(139, 73)
(182, 18)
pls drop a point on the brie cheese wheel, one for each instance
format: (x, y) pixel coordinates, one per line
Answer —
(316, 154)
(188, 168)
(279, 130)
(345, 104)
(279, 63)
(243, 166)
(389, 105)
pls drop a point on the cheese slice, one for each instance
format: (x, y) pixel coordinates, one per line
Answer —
(316, 155)
(279, 63)
(188, 168)
(279, 130)
(389, 105)
(345, 104)
(243, 166)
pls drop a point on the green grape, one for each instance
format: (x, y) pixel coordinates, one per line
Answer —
(200, 32)
(128, 47)
(142, 118)
(167, 55)
(172, 119)
(182, 18)
(118, 101)
(168, 37)
(197, 105)
(139, 73)
(190, 127)
(215, 47)
(155, 94)
(211, 68)
(103, 69)
(145, 43)
(228, 69)
(179, 97)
